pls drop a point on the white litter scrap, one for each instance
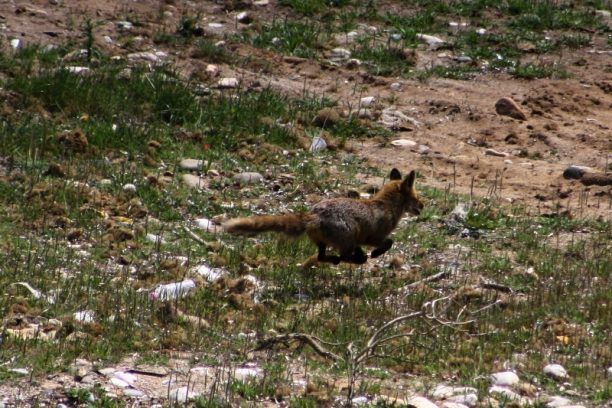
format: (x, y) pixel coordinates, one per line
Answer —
(210, 274)
(207, 225)
(172, 291)
(318, 144)
(85, 316)
(432, 41)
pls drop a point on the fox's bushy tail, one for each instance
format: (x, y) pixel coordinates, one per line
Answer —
(290, 224)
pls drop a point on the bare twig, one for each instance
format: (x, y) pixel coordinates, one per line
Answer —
(193, 236)
(433, 278)
(312, 341)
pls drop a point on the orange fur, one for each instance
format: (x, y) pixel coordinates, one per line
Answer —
(344, 223)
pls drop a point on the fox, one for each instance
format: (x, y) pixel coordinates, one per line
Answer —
(344, 224)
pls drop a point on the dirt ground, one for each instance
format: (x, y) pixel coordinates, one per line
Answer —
(568, 121)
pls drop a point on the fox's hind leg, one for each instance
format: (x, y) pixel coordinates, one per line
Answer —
(384, 247)
(322, 257)
(355, 256)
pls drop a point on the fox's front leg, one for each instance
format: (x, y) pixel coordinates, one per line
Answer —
(386, 245)
(322, 257)
(355, 256)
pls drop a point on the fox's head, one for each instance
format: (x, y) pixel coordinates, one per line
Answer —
(412, 202)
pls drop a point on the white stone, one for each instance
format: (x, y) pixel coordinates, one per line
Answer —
(421, 402)
(507, 393)
(127, 377)
(22, 371)
(433, 42)
(557, 402)
(193, 181)
(493, 152)
(191, 164)
(129, 188)
(340, 53)
(248, 177)
(360, 400)
(15, 43)
(156, 239)
(504, 378)
(77, 70)
(404, 143)
(215, 26)
(395, 86)
(603, 13)
(118, 382)
(124, 25)
(367, 101)
(445, 391)
(228, 83)
(132, 392)
(481, 31)
(556, 371)
(147, 56)
(447, 404)
(107, 39)
(212, 70)
(261, 2)
(182, 395)
(250, 371)
(470, 399)
(609, 371)
(243, 17)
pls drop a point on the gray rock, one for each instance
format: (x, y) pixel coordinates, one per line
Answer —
(193, 181)
(340, 54)
(493, 152)
(507, 107)
(182, 395)
(504, 378)
(505, 393)
(420, 402)
(448, 404)
(574, 172)
(191, 164)
(147, 56)
(557, 402)
(244, 18)
(228, 83)
(555, 371)
(248, 177)
(395, 86)
(133, 392)
(465, 399)
(124, 25)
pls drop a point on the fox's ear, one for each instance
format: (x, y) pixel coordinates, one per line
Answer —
(395, 174)
(408, 182)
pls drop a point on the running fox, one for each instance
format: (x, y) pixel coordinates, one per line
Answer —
(344, 223)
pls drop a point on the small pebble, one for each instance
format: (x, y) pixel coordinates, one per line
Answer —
(129, 188)
(504, 378)
(248, 177)
(555, 371)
